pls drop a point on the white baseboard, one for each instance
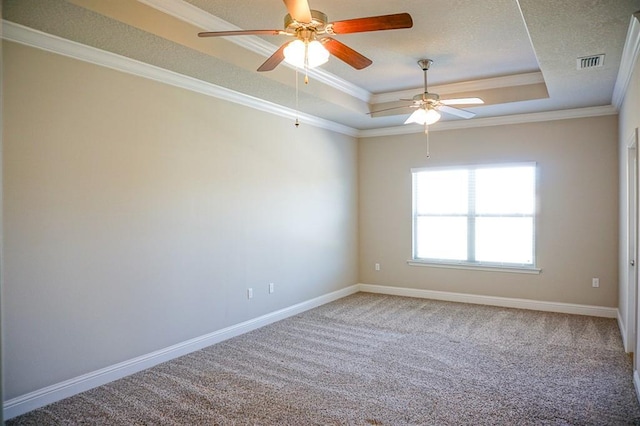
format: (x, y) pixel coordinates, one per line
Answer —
(536, 305)
(32, 400)
(623, 331)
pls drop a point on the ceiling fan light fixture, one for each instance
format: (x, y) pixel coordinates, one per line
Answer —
(309, 54)
(423, 117)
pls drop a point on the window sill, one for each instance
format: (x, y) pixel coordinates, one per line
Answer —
(512, 269)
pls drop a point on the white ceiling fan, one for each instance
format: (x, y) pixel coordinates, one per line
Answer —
(429, 105)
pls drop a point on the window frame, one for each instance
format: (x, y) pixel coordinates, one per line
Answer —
(531, 268)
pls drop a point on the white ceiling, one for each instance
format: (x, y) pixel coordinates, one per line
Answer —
(518, 55)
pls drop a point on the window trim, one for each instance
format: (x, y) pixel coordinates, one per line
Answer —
(475, 266)
(483, 266)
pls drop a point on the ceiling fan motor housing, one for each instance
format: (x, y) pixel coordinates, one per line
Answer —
(429, 98)
(318, 23)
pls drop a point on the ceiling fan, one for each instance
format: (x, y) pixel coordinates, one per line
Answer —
(429, 104)
(313, 42)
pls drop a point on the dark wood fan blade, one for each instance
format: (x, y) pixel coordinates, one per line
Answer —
(274, 60)
(299, 10)
(345, 53)
(374, 23)
(239, 32)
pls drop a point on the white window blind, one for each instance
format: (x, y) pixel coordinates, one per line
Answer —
(475, 215)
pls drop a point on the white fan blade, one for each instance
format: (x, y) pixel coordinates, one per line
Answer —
(456, 111)
(392, 108)
(462, 101)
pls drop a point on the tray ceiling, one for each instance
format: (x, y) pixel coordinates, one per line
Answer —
(519, 56)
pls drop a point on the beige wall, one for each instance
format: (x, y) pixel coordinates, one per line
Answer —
(137, 214)
(577, 226)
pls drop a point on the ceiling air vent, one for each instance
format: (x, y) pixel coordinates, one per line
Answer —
(593, 61)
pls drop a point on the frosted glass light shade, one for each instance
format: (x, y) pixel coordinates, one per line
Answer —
(423, 116)
(314, 52)
(317, 54)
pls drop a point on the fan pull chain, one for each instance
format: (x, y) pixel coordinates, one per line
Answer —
(426, 134)
(297, 108)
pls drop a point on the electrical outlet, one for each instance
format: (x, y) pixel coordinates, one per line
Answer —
(271, 288)
(377, 266)
(595, 282)
(249, 293)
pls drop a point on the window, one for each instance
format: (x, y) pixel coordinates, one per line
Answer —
(480, 216)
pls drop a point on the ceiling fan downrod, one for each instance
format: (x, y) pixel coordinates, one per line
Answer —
(425, 64)
(428, 100)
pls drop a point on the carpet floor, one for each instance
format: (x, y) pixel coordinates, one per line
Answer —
(371, 359)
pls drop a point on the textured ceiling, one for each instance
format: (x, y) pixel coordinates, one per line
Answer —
(454, 33)
(518, 55)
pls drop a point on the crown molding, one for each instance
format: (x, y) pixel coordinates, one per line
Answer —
(187, 12)
(628, 62)
(198, 18)
(38, 39)
(464, 86)
(493, 121)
